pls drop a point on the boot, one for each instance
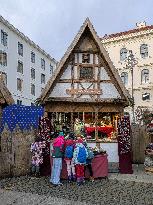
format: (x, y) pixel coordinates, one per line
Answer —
(74, 178)
(69, 179)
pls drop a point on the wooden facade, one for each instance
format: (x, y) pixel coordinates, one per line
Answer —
(85, 80)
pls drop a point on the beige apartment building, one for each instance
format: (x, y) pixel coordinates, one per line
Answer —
(140, 41)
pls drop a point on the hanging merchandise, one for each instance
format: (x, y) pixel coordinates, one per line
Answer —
(23, 116)
(124, 146)
(124, 135)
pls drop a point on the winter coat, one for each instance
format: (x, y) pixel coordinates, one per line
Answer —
(68, 142)
(76, 151)
(58, 147)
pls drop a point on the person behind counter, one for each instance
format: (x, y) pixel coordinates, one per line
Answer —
(57, 151)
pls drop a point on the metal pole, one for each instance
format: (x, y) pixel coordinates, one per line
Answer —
(132, 96)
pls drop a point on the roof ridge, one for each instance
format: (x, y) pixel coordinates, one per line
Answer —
(26, 38)
(126, 32)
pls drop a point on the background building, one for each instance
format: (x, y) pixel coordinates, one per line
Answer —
(140, 41)
(26, 68)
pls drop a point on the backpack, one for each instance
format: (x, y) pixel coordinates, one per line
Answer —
(69, 152)
(90, 154)
(82, 155)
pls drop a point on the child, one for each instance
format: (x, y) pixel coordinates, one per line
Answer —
(79, 157)
(57, 155)
(89, 162)
(69, 148)
(37, 155)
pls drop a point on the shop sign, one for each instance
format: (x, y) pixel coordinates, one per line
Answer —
(84, 91)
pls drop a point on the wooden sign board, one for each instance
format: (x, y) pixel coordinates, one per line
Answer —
(84, 91)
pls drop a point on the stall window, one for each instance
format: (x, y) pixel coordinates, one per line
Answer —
(144, 50)
(86, 72)
(145, 76)
(124, 77)
(123, 54)
(146, 96)
(3, 58)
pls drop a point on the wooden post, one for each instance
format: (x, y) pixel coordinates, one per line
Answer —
(72, 121)
(96, 124)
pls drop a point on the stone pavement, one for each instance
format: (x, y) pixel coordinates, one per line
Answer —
(139, 175)
(136, 189)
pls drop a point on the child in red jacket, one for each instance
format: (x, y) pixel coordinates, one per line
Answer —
(68, 155)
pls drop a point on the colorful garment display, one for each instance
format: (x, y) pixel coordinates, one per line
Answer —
(37, 152)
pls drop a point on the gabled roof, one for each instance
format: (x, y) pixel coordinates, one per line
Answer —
(6, 95)
(105, 56)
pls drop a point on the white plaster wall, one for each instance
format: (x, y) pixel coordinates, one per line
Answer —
(103, 74)
(109, 91)
(111, 149)
(11, 68)
(67, 73)
(60, 90)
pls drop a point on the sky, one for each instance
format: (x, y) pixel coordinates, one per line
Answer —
(52, 24)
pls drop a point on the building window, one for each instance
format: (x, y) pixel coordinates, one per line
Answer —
(145, 76)
(43, 78)
(32, 57)
(20, 49)
(124, 77)
(32, 73)
(51, 69)
(123, 54)
(86, 72)
(86, 58)
(19, 102)
(4, 76)
(144, 50)
(42, 63)
(42, 89)
(4, 36)
(19, 84)
(3, 58)
(20, 67)
(146, 96)
(32, 89)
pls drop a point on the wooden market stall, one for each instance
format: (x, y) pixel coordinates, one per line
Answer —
(87, 86)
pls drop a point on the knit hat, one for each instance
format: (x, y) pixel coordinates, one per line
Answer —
(61, 133)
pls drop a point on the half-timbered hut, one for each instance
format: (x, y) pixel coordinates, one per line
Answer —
(86, 85)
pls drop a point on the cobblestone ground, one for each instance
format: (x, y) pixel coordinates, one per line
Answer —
(30, 191)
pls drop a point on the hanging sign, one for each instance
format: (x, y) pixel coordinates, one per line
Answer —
(84, 91)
